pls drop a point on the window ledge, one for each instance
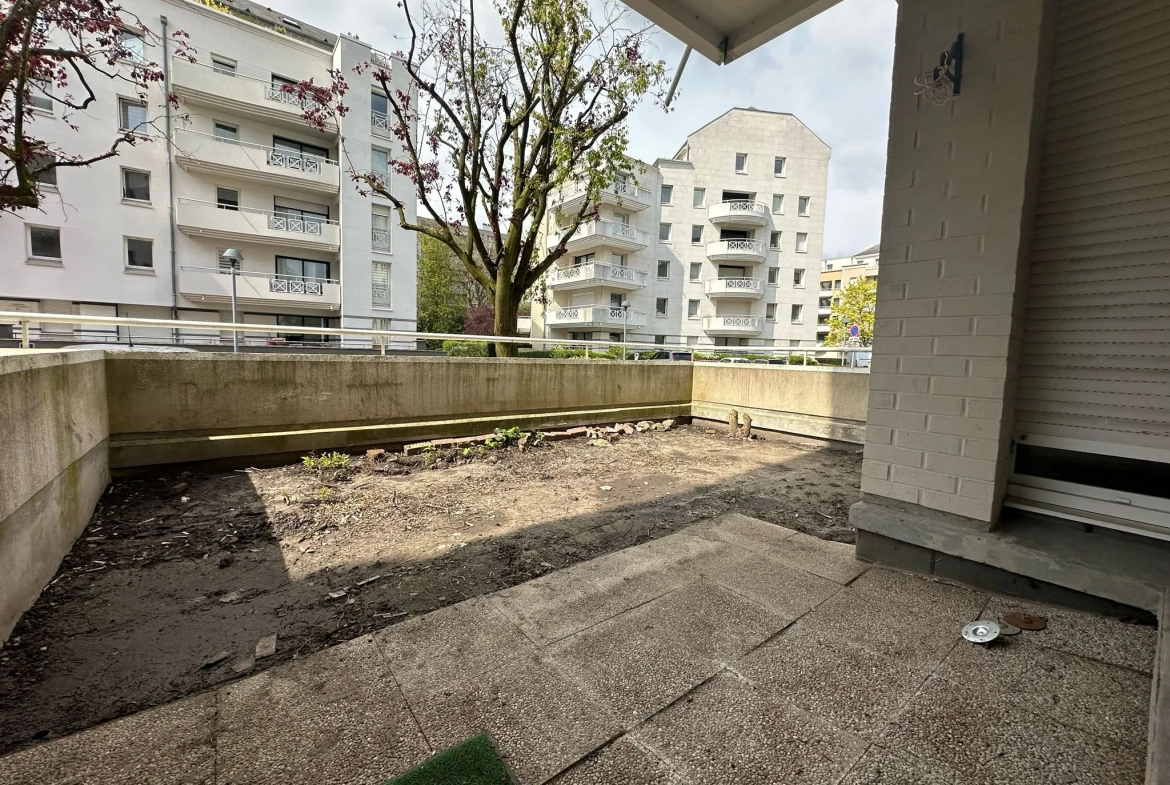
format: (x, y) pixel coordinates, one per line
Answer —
(139, 270)
(44, 261)
(137, 202)
(382, 307)
(43, 112)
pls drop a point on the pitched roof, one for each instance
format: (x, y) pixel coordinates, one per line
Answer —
(267, 17)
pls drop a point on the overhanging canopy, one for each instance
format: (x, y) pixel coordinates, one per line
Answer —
(723, 30)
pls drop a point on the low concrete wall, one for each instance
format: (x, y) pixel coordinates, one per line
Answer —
(54, 432)
(826, 403)
(179, 409)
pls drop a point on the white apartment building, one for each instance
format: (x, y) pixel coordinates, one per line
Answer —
(838, 274)
(717, 246)
(142, 234)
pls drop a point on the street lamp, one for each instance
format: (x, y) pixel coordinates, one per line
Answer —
(625, 324)
(234, 256)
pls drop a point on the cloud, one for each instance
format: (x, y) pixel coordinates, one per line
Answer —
(832, 72)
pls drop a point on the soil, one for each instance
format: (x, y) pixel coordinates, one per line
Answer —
(177, 579)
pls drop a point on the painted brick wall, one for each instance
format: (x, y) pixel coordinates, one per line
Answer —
(960, 192)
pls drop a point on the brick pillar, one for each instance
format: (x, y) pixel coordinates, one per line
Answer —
(960, 198)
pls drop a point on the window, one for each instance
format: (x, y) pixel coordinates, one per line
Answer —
(380, 283)
(226, 132)
(615, 300)
(696, 270)
(291, 269)
(291, 22)
(660, 306)
(294, 149)
(615, 337)
(379, 104)
(40, 95)
(619, 260)
(798, 279)
(740, 163)
(773, 276)
(700, 197)
(134, 45)
(803, 204)
(132, 115)
(826, 285)
(380, 234)
(379, 160)
(225, 263)
(302, 322)
(136, 185)
(778, 203)
(664, 233)
(585, 258)
(774, 240)
(44, 243)
(223, 65)
(660, 339)
(227, 198)
(797, 314)
(778, 166)
(45, 176)
(696, 234)
(802, 242)
(837, 284)
(667, 194)
(692, 309)
(770, 312)
(139, 253)
(664, 269)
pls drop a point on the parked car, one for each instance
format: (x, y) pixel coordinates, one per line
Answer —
(863, 359)
(735, 360)
(684, 357)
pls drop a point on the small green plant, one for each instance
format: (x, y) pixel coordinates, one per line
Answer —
(326, 461)
(323, 493)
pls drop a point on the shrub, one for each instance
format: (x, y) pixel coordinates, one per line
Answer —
(465, 348)
(326, 461)
(800, 359)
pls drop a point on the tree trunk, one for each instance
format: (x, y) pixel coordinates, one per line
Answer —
(507, 306)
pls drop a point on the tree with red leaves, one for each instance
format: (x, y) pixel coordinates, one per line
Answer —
(494, 127)
(53, 53)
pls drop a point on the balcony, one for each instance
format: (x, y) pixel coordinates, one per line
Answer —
(246, 225)
(199, 152)
(595, 316)
(752, 251)
(213, 285)
(824, 310)
(622, 194)
(380, 239)
(609, 234)
(379, 123)
(739, 213)
(734, 288)
(582, 276)
(732, 325)
(202, 85)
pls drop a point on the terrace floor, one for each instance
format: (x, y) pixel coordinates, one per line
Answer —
(732, 651)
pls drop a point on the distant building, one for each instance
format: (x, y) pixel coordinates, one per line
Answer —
(708, 248)
(838, 274)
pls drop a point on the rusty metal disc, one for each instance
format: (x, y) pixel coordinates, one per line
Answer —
(1026, 621)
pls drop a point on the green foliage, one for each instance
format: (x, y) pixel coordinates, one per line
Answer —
(799, 359)
(503, 437)
(858, 300)
(326, 461)
(441, 303)
(465, 348)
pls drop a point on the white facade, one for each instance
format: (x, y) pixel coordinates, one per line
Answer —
(718, 246)
(141, 234)
(838, 274)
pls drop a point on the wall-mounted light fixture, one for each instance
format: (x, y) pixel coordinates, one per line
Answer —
(945, 80)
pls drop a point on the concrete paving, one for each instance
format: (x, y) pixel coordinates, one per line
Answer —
(735, 651)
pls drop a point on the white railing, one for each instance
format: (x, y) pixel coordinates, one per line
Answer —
(381, 178)
(275, 92)
(603, 228)
(381, 59)
(302, 162)
(379, 121)
(286, 222)
(593, 271)
(23, 321)
(281, 285)
(734, 286)
(732, 324)
(598, 314)
(746, 206)
(257, 274)
(380, 238)
(753, 248)
(621, 188)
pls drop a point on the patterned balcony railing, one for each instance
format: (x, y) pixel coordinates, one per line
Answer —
(737, 248)
(279, 285)
(601, 273)
(274, 92)
(379, 121)
(309, 164)
(737, 286)
(380, 238)
(732, 324)
(296, 223)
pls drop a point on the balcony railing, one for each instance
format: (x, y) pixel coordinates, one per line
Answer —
(628, 192)
(597, 315)
(285, 222)
(281, 285)
(214, 284)
(734, 287)
(381, 59)
(732, 324)
(625, 234)
(309, 164)
(746, 250)
(739, 211)
(595, 273)
(275, 92)
(379, 121)
(380, 238)
(284, 159)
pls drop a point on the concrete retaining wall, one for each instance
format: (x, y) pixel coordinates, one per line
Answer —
(54, 432)
(819, 402)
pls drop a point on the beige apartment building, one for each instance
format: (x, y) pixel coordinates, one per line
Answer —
(715, 246)
(838, 274)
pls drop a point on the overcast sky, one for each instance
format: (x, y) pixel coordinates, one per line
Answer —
(832, 72)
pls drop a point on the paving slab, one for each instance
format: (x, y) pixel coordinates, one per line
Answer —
(335, 717)
(789, 593)
(832, 560)
(728, 731)
(561, 603)
(750, 534)
(913, 620)
(450, 645)
(1096, 697)
(969, 730)
(170, 745)
(624, 762)
(540, 721)
(1087, 635)
(880, 766)
(852, 687)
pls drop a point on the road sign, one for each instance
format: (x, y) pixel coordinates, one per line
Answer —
(854, 331)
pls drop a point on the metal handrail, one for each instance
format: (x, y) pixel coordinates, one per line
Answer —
(750, 246)
(380, 238)
(258, 211)
(618, 187)
(256, 274)
(24, 318)
(747, 205)
(604, 270)
(267, 150)
(379, 121)
(380, 58)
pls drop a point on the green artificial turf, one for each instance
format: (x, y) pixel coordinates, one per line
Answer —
(474, 762)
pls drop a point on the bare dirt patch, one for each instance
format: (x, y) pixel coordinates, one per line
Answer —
(176, 580)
